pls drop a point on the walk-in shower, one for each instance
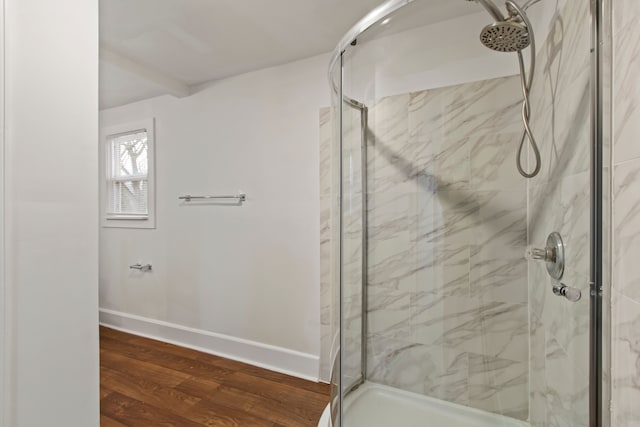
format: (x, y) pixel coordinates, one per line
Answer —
(464, 290)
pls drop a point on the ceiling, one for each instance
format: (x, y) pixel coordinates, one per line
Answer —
(156, 47)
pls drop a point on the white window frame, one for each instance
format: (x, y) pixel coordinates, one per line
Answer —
(127, 221)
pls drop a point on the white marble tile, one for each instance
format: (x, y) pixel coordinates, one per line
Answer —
(566, 365)
(325, 305)
(390, 157)
(388, 213)
(389, 314)
(465, 110)
(493, 162)
(626, 87)
(537, 377)
(559, 201)
(498, 273)
(392, 263)
(325, 349)
(501, 218)
(444, 320)
(543, 217)
(444, 217)
(567, 323)
(560, 392)
(499, 386)
(431, 370)
(442, 268)
(498, 270)
(326, 135)
(467, 325)
(626, 213)
(560, 95)
(443, 161)
(626, 361)
(325, 239)
(575, 225)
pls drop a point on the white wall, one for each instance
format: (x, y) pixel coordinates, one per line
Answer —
(224, 274)
(51, 236)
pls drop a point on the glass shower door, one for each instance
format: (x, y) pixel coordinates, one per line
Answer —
(441, 313)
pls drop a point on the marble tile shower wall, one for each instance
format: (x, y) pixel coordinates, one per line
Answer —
(626, 215)
(447, 303)
(559, 200)
(447, 281)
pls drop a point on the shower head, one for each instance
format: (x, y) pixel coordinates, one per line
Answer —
(506, 36)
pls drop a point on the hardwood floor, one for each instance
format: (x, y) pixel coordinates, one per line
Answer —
(148, 383)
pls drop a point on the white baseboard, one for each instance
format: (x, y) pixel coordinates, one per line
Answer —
(290, 362)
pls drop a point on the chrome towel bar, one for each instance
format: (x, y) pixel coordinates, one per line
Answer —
(241, 197)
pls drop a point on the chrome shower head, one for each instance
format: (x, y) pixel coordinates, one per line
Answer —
(506, 36)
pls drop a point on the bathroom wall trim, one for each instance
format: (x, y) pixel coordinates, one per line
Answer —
(278, 359)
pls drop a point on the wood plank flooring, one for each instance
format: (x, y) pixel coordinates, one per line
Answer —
(147, 383)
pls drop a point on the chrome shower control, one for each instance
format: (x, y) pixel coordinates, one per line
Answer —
(572, 294)
(552, 255)
(535, 254)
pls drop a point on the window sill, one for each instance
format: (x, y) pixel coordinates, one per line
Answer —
(127, 218)
(128, 222)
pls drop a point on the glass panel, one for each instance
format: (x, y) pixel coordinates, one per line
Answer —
(331, 188)
(352, 256)
(453, 320)
(129, 153)
(128, 174)
(129, 197)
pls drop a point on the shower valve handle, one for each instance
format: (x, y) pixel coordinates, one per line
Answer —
(552, 255)
(536, 254)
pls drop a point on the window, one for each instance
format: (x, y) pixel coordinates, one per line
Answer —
(127, 176)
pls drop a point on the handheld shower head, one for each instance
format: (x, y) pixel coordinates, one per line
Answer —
(506, 36)
(514, 33)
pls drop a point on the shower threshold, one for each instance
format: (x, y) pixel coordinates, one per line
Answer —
(375, 405)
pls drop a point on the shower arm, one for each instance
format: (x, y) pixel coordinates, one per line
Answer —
(528, 4)
(493, 10)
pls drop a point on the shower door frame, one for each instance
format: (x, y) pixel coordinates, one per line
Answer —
(599, 408)
(364, 124)
(600, 233)
(4, 305)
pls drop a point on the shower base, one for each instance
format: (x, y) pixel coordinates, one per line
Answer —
(375, 405)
